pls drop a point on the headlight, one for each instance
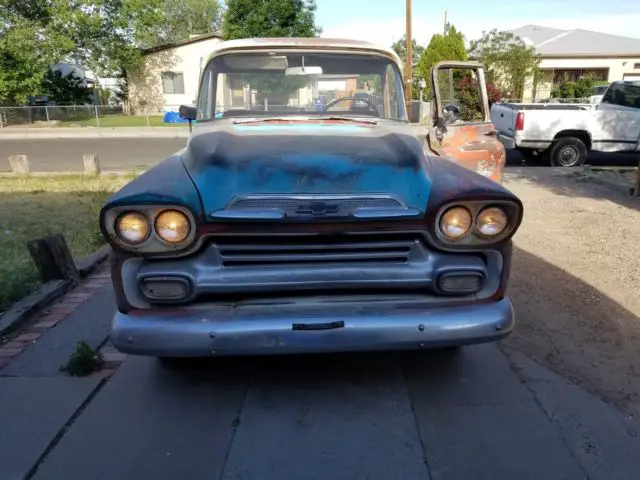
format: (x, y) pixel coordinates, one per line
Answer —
(491, 221)
(455, 223)
(132, 227)
(172, 226)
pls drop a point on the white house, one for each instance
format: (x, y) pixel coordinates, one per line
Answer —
(170, 74)
(570, 54)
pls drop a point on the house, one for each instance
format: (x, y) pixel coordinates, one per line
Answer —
(570, 54)
(170, 74)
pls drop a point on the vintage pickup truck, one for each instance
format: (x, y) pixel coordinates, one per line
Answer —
(283, 229)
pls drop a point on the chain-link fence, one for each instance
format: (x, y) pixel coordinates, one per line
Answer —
(97, 116)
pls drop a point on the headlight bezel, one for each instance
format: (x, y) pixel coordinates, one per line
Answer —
(154, 243)
(474, 238)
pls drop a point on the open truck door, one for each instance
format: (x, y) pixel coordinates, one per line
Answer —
(461, 127)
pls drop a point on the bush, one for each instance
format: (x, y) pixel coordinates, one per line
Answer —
(469, 98)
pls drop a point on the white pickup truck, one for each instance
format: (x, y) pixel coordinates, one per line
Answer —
(563, 134)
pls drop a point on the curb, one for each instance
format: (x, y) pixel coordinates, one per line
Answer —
(51, 134)
(48, 292)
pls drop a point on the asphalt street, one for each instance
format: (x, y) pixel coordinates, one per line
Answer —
(63, 154)
(118, 154)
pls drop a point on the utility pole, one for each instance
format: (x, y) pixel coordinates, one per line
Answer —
(409, 61)
(446, 27)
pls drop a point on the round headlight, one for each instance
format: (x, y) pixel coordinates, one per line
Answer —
(491, 222)
(455, 223)
(132, 227)
(173, 226)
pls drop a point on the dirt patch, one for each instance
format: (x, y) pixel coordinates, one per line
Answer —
(576, 282)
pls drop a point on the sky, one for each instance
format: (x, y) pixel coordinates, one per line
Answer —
(383, 21)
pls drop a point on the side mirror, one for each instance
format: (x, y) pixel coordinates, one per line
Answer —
(187, 112)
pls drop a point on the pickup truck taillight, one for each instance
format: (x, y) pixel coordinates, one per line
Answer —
(520, 121)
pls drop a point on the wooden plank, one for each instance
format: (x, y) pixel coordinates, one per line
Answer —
(53, 258)
(91, 164)
(19, 164)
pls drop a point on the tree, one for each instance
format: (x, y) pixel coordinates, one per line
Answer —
(509, 61)
(66, 89)
(449, 46)
(400, 47)
(104, 36)
(269, 18)
(190, 17)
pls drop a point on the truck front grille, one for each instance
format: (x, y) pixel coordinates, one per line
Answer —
(280, 250)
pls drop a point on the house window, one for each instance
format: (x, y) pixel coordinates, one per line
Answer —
(172, 82)
(636, 66)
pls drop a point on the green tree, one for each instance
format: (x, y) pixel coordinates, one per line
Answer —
(400, 47)
(269, 18)
(190, 17)
(449, 46)
(65, 89)
(103, 36)
(509, 61)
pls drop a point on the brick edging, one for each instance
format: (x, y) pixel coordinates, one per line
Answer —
(58, 312)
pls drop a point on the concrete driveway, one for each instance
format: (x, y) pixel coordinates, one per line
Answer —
(489, 412)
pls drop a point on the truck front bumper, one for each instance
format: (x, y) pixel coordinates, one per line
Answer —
(305, 327)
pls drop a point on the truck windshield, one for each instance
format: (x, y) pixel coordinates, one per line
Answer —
(276, 84)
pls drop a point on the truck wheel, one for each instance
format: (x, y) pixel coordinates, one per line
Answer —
(568, 152)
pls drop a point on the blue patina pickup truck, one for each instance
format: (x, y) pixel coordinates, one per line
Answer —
(284, 229)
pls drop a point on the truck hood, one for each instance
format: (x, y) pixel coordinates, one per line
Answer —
(230, 161)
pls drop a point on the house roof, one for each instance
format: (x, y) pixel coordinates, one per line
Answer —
(189, 41)
(553, 42)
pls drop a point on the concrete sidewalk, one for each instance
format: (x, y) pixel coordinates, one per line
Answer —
(93, 132)
(119, 132)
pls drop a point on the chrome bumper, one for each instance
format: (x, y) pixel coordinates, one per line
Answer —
(290, 329)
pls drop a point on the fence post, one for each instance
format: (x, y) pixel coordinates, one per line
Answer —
(46, 111)
(91, 164)
(147, 117)
(97, 117)
(19, 164)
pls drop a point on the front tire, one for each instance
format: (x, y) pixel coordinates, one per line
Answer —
(568, 152)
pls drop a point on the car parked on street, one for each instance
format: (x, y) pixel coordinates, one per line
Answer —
(280, 230)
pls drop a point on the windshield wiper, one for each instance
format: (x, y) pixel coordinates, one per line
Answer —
(310, 117)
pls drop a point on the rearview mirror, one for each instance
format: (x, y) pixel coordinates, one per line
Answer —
(187, 112)
(312, 70)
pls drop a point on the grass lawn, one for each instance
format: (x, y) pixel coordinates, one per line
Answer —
(109, 121)
(33, 207)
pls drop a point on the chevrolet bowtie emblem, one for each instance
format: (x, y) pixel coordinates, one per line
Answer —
(317, 209)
